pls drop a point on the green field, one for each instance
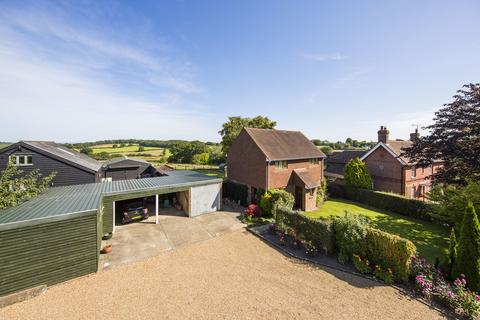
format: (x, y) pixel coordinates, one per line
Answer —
(431, 239)
(155, 156)
(3, 145)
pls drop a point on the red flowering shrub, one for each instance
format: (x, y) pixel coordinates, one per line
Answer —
(252, 211)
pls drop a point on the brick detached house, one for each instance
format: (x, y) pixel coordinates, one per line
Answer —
(390, 171)
(265, 159)
(393, 172)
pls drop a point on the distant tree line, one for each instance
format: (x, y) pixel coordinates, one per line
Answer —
(120, 143)
(327, 146)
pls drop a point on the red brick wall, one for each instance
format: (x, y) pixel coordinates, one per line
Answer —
(386, 171)
(413, 182)
(246, 163)
(279, 178)
(310, 200)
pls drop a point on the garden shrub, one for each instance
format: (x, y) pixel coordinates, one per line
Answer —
(453, 201)
(452, 252)
(389, 251)
(236, 192)
(362, 265)
(353, 237)
(275, 198)
(350, 233)
(357, 175)
(388, 201)
(318, 232)
(467, 261)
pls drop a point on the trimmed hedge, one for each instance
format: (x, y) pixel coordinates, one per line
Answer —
(235, 191)
(390, 251)
(381, 248)
(274, 198)
(319, 232)
(388, 201)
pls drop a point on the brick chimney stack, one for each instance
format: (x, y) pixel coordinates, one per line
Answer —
(414, 135)
(383, 134)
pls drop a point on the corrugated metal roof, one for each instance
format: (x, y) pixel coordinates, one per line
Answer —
(86, 197)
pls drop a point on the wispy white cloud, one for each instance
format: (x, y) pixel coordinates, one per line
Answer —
(65, 81)
(323, 57)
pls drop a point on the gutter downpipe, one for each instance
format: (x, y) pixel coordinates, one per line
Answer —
(268, 167)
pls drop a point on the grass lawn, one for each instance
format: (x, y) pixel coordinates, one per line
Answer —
(431, 239)
(212, 173)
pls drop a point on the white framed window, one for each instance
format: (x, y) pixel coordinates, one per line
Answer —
(313, 161)
(312, 192)
(414, 171)
(281, 164)
(22, 159)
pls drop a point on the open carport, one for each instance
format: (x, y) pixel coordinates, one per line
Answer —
(57, 236)
(193, 192)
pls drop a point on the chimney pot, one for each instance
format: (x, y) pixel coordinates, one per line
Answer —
(383, 134)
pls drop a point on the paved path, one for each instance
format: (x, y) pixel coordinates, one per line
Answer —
(141, 240)
(233, 276)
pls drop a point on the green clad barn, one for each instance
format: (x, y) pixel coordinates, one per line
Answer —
(57, 235)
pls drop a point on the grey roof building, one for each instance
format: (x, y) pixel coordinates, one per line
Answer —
(124, 168)
(70, 166)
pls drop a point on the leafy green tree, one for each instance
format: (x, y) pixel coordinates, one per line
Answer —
(183, 151)
(327, 150)
(468, 253)
(453, 201)
(231, 129)
(86, 150)
(357, 175)
(141, 148)
(454, 138)
(201, 158)
(15, 188)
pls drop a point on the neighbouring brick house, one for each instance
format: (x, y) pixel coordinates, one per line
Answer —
(393, 172)
(265, 159)
(390, 171)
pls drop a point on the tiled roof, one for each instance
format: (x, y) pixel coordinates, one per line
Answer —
(397, 145)
(66, 200)
(345, 156)
(304, 178)
(284, 145)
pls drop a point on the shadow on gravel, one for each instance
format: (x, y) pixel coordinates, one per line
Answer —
(342, 272)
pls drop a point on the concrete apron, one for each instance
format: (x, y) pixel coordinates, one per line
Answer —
(141, 240)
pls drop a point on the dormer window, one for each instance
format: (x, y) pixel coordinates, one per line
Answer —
(281, 164)
(22, 159)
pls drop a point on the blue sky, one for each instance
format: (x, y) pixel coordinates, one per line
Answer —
(88, 70)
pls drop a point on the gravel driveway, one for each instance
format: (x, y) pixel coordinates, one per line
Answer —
(233, 276)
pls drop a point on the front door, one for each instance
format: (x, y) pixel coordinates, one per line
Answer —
(298, 197)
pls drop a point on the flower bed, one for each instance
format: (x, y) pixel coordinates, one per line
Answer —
(432, 284)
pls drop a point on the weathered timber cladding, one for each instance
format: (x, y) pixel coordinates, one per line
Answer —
(66, 174)
(48, 253)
